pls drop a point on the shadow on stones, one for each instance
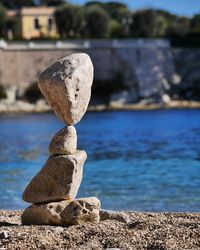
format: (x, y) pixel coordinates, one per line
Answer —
(7, 224)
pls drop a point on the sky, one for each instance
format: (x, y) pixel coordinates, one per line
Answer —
(180, 7)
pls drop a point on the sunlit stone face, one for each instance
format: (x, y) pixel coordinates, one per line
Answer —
(66, 86)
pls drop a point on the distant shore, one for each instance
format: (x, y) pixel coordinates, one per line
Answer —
(153, 106)
(21, 107)
(164, 231)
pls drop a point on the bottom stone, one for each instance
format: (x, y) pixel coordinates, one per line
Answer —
(63, 213)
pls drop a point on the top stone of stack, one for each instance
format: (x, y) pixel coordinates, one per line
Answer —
(66, 86)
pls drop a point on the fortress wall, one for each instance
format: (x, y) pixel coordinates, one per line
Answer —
(144, 64)
(22, 67)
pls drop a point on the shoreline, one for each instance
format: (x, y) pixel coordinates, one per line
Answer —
(153, 106)
(21, 107)
(120, 230)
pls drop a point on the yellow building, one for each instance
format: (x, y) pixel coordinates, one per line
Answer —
(38, 22)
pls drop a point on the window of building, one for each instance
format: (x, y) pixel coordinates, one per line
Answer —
(49, 24)
(36, 24)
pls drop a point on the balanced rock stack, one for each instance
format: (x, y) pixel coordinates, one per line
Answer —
(66, 86)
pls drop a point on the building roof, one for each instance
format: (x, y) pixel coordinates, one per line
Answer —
(37, 11)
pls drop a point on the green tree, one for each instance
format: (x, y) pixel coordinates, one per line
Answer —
(179, 27)
(96, 22)
(13, 24)
(116, 29)
(116, 10)
(148, 23)
(125, 18)
(112, 8)
(195, 24)
(69, 20)
(15, 4)
(96, 3)
(120, 17)
(2, 19)
(52, 2)
(120, 13)
(160, 26)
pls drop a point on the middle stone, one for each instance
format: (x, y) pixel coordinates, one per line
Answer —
(59, 179)
(64, 142)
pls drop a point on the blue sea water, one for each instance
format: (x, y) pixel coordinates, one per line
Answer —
(137, 160)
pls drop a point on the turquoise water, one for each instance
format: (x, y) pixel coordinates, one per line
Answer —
(137, 160)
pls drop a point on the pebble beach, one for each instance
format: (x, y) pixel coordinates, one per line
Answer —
(148, 231)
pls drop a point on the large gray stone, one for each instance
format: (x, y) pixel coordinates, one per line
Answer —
(64, 142)
(66, 86)
(63, 213)
(59, 179)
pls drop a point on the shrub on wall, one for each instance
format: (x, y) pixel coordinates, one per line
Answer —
(103, 89)
(3, 94)
(32, 93)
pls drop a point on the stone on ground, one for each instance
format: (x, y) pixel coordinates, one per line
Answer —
(64, 142)
(63, 213)
(114, 215)
(66, 86)
(59, 179)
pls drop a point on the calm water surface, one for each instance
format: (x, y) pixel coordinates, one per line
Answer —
(138, 160)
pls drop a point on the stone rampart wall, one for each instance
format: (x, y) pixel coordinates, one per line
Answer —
(148, 66)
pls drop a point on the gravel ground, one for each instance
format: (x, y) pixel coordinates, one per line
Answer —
(141, 231)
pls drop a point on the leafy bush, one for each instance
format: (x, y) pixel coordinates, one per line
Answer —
(191, 92)
(189, 41)
(32, 93)
(3, 94)
(103, 89)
